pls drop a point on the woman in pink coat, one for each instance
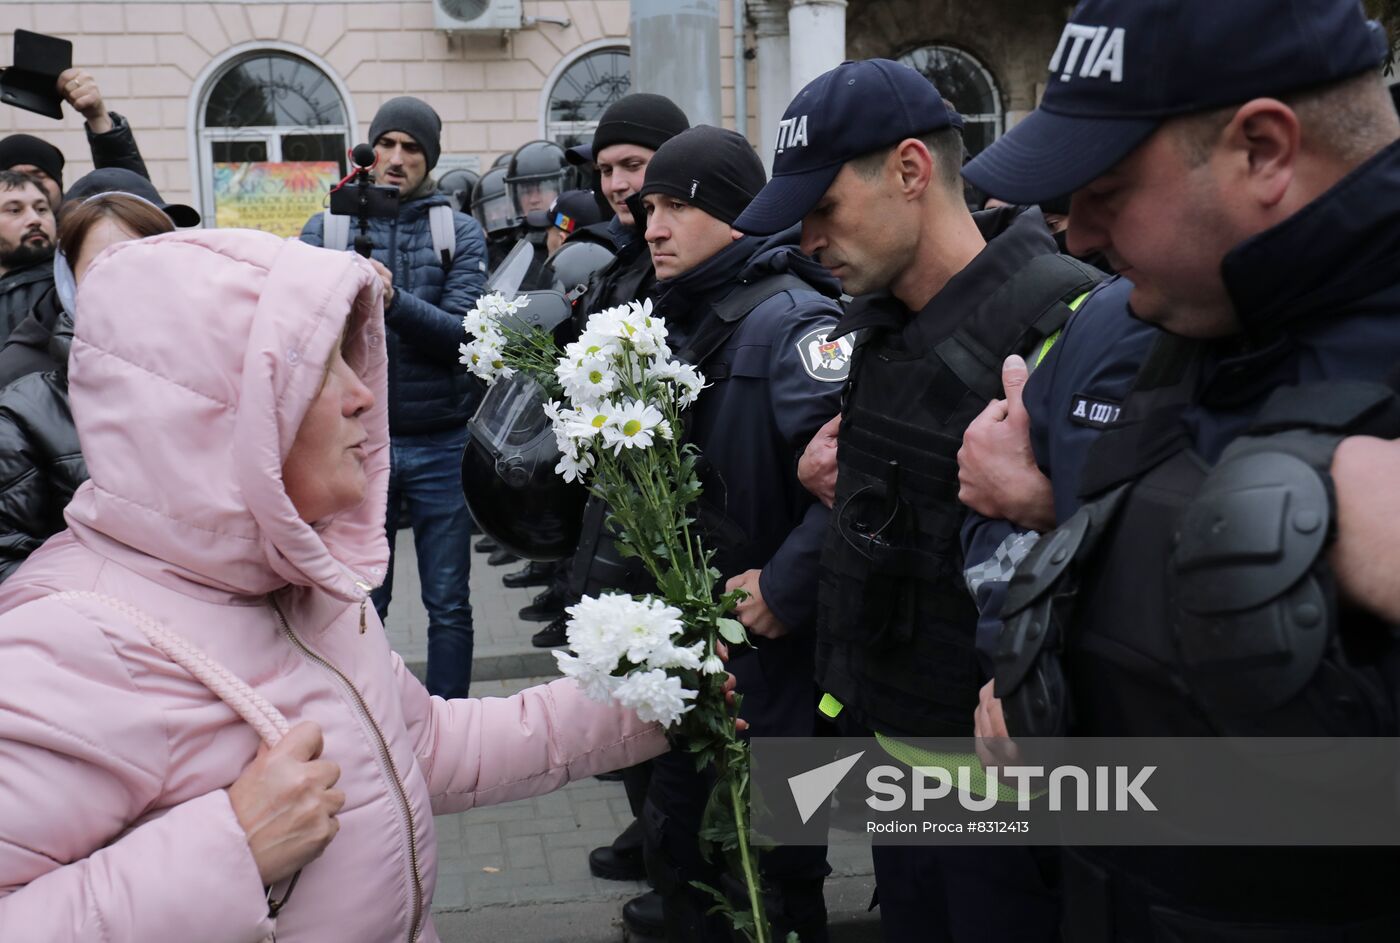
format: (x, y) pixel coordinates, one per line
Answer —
(204, 734)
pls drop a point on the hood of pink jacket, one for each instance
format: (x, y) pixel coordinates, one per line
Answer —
(195, 357)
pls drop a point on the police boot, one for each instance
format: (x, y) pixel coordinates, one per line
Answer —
(500, 557)
(642, 918)
(552, 635)
(486, 545)
(534, 574)
(622, 860)
(544, 607)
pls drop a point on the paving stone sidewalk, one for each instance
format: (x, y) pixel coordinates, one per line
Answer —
(533, 854)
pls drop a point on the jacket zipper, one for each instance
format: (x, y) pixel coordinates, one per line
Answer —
(385, 757)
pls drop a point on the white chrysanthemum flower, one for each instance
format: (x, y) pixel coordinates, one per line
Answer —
(712, 665)
(573, 465)
(684, 381)
(631, 426)
(485, 360)
(586, 379)
(596, 684)
(671, 655)
(655, 695)
(650, 627)
(595, 629)
(590, 419)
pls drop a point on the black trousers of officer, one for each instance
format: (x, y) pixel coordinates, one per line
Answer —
(779, 700)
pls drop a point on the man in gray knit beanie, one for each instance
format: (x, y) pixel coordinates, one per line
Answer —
(407, 138)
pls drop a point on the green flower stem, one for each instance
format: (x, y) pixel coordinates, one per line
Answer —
(746, 857)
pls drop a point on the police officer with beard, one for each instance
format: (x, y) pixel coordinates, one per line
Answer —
(754, 315)
(867, 159)
(1240, 163)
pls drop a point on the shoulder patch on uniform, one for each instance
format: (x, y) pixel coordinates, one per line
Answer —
(1095, 412)
(824, 360)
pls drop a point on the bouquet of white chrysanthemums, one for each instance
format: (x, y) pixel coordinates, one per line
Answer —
(616, 398)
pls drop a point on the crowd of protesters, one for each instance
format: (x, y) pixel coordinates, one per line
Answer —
(995, 448)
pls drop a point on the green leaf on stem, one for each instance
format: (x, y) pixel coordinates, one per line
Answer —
(733, 631)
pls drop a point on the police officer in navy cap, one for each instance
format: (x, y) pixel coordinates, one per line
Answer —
(867, 159)
(1239, 164)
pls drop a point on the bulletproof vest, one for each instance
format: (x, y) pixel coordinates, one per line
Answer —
(598, 567)
(896, 625)
(1191, 599)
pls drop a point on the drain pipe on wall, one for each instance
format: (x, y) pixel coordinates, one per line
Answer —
(741, 73)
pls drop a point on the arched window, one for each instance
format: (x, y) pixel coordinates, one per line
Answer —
(273, 138)
(581, 93)
(967, 85)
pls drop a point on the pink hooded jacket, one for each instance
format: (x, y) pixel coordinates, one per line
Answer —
(196, 357)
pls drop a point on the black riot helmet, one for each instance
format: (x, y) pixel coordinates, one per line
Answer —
(459, 185)
(490, 203)
(508, 473)
(502, 160)
(538, 173)
(573, 264)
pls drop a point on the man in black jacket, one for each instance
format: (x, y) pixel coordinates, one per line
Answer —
(754, 315)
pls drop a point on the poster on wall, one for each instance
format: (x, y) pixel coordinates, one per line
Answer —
(274, 197)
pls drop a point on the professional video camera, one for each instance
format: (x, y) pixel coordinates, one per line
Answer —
(359, 197)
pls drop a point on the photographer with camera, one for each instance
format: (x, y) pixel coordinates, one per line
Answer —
(430, 283)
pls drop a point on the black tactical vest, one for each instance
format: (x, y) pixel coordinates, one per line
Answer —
(896, 624)
(1186, 599)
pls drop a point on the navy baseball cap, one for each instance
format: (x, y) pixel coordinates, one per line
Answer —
(1123, 67)
(855, 109)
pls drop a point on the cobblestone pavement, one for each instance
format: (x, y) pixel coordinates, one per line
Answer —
(532, 855)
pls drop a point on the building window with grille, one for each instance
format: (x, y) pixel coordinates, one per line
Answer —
(583, 91)
(967, 85)
(273, 137)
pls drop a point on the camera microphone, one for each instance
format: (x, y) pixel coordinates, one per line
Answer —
(363, 155)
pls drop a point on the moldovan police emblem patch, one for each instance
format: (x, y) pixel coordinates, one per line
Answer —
(828, 361)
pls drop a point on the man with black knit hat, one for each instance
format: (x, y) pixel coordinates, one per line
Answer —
(430, 283)
(754, 315)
